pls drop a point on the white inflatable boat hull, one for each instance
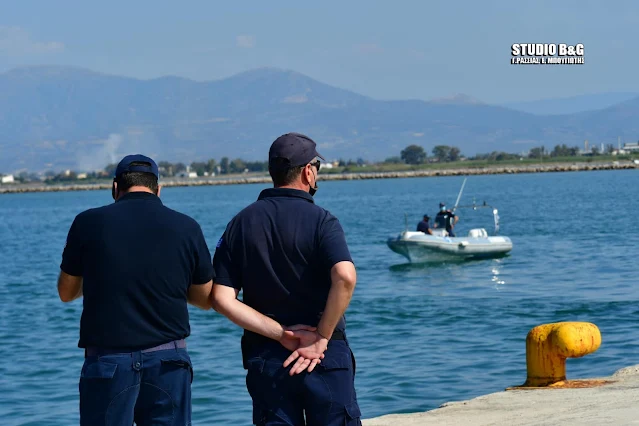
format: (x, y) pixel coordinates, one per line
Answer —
(421, 247)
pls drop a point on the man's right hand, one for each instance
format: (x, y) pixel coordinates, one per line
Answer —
(290, 340)
(309, 352)
(307, 348)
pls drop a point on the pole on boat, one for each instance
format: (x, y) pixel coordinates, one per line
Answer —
(459, 195)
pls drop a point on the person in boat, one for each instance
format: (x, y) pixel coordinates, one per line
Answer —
(136, 264)
(290, 259)
(446, 219)
(423, 226)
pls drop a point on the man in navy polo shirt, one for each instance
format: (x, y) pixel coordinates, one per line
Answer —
(136, 263)
(423, 225)
(290, 259)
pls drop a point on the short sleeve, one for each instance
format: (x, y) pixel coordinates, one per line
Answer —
(203, 271)
(72, 256)
(224, 271)
(332, 243)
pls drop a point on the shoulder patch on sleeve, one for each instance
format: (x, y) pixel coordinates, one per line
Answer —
(219, 242)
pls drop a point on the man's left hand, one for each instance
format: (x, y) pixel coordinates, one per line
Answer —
(306, 345)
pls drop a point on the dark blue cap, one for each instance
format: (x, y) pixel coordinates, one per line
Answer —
(442, 205)
(125, 165)
(295, 149)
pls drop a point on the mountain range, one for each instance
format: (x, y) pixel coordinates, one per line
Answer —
(572, 104)
(61, 117)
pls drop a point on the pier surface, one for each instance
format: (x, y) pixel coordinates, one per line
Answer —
(611, 404)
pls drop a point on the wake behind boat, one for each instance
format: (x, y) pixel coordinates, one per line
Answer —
(418, 246)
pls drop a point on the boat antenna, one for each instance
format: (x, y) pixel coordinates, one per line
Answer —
(459, 195)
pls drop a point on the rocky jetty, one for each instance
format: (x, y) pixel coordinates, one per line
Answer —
(238, 180)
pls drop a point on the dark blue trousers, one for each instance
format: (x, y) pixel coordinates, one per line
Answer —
(324, 397)
(146, 388)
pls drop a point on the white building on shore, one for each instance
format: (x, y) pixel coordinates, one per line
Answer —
(631, 147)
(7, 179)
(628, 148)
(187, 173)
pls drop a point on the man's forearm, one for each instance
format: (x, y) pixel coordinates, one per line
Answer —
(77, 295)
(201, 295)
(339, 297)
(250, 319)
(69, 287)
(205, 305)
(338, 300)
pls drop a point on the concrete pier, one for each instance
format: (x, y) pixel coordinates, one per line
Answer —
(611, 404)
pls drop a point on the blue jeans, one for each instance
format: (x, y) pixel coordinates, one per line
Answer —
(146, 388)
(324, 397)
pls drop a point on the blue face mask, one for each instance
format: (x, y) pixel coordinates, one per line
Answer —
(443, 208)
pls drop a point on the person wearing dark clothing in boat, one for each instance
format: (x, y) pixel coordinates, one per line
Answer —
(423, 225)
(446, 219)
(136, 264)
(290, 259)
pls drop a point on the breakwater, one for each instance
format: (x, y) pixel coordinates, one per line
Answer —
(265, 178)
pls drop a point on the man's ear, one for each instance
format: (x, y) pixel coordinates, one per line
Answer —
(114, 189)
(159, 189)
(306, 172)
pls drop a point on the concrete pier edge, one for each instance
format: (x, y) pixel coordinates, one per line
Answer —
(612, 404)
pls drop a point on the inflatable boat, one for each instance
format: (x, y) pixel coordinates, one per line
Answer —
(421, 247)
(438, 245)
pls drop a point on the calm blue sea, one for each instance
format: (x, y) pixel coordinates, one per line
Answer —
(422, 334)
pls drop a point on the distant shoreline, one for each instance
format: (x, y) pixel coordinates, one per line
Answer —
(239, 180)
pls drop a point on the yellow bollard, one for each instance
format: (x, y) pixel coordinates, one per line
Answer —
(548, 346)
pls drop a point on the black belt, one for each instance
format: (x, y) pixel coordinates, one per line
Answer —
(176, 344)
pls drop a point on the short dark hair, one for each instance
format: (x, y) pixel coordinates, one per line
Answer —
(128, 180)
(281, 174)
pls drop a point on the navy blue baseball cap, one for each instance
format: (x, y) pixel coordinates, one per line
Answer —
(293, 150)
(126, 165)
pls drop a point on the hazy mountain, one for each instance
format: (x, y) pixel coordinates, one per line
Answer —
(58, 117)
(458, 98)
(572, 104)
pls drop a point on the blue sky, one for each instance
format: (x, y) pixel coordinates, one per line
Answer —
(382, 49)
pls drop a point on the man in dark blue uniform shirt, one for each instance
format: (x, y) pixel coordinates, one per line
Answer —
(136, 263)
(422, 226)
(290, 259)
(446, 219)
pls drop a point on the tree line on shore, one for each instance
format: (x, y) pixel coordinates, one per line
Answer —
(411, 155)
(415, 154)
